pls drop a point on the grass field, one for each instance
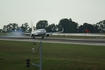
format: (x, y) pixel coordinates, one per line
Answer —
(13, 56)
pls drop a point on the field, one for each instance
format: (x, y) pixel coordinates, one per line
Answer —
(13, 56)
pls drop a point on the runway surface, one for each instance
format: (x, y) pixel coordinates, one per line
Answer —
(99, 42)
(79, 34)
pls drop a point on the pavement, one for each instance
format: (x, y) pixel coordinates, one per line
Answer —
(99, 42)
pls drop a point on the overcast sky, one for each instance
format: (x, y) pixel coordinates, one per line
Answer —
(21, 11)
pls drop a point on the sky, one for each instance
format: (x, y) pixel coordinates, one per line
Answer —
(80, 11)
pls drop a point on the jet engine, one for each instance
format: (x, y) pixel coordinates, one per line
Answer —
(47, 35)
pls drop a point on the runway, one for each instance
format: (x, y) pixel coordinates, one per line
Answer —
(99, 42)
(79, 34)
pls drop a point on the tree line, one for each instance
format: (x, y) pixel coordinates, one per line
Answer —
(68, 25)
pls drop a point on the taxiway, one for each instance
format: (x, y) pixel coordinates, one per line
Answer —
(99, 42)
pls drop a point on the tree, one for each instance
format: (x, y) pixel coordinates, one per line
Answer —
(86, 26)
(42, 24)
(51, 28)
(81, 29)
(96, 28)
(73, 26)
(101, 25)
(5, 28)
(89, 27)
(64, 23)
(68, 25)
(11, 27)
(25, 27)
(1, 30)
(14, 26)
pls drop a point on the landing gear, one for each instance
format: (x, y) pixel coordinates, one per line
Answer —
(42, 37)
(33, 37)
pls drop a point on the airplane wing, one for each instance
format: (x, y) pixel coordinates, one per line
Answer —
(50, 33)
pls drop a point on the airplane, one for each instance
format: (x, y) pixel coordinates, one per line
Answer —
(40, 32)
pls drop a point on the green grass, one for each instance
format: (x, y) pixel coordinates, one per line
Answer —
(13, 56)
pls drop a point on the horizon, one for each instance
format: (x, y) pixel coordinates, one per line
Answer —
(80, 11)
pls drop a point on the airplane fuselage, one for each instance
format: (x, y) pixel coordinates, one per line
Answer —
(39, 32)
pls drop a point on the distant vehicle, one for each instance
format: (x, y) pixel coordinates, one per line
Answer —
(39, 32)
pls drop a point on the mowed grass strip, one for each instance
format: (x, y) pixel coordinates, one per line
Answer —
(13, 55)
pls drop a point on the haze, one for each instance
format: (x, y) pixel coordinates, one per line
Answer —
(80, 11)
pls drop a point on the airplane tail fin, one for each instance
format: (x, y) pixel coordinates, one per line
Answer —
(32, 26)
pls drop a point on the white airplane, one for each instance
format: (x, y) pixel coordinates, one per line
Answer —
(39, 32)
